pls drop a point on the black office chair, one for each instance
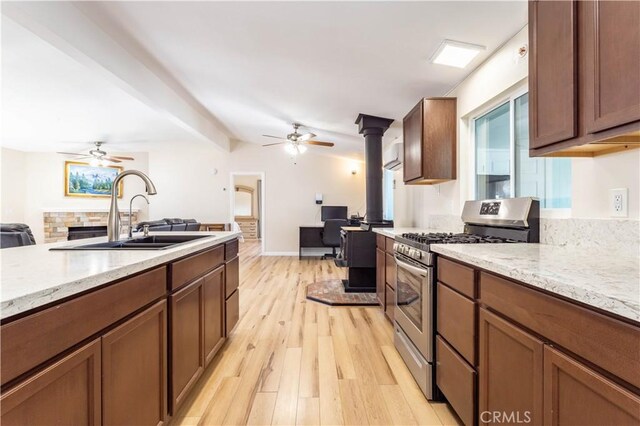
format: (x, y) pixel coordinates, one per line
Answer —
(331, 235)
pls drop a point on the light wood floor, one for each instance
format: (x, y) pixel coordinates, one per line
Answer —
(292, 361)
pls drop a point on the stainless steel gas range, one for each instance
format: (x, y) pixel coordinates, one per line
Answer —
(488, 221)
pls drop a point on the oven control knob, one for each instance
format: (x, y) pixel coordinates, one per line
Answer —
(419, 254)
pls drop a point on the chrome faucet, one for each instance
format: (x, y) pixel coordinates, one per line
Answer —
(113, 223)
(131, 208)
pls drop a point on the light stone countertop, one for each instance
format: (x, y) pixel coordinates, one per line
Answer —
(33, 276)
(608, 280)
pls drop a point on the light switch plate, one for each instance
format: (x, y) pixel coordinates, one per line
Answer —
(619, 202)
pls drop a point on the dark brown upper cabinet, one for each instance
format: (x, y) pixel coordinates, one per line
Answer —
(583, 77)
(429, 133)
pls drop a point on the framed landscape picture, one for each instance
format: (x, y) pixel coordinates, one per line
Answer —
(85, 180)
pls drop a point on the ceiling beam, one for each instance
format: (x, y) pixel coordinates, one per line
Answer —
(101, 48)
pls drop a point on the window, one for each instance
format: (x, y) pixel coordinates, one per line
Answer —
(387, 194)
(503, 167)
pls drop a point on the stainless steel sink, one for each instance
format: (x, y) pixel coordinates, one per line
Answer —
(152, 242)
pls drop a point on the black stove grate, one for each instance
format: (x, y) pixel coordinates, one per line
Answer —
(422, 240)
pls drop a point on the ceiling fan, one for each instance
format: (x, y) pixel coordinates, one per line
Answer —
(294, 143)
(97, 156)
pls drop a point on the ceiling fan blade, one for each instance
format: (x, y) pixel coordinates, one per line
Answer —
(277, 143)
(111, 159)
(275, 137)
(306, 137)
(77, 154)
(320, 143)
(119, 157)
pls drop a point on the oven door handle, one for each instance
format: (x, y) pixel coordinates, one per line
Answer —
(411, 268)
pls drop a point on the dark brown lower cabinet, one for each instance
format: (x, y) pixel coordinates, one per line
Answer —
(214, 302)
(65, 393)
(233, 276)
(389, 302)
(134, 369)
(380, 276)
(232, 312)
(390, 271)
(232, 294)
(187, 340)
(510, 373)
(457, 380)
(577, 395)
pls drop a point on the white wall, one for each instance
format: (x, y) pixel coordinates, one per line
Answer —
(499, 76)
(188, 187)
(43, 177)
(13, 185)
(594, 177)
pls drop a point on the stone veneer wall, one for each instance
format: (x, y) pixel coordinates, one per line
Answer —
(56, 224)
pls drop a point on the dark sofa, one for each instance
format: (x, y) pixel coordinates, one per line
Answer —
(15, 235)
(170, 224)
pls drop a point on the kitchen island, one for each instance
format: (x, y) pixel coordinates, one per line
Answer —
(112, 336)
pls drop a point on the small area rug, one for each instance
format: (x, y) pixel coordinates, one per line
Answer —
(331, 292)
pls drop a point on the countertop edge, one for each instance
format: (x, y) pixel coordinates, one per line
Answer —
(27, 302)
(607, 303)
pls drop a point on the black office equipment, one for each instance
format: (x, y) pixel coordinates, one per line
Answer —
(333, 212)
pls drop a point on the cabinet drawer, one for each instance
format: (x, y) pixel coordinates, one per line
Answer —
(230, 250)
(195, 266)
(458, 277)
(390, 302)
(457, 380)
(388, 245)
(390, 271)
(32, 340)
(232, 312)
(607, 342)
(457, 322)
(380, 277)
(380, 241)
(231, 276)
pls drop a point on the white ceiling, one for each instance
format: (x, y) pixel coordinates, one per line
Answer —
(51, 102)
(256, 66)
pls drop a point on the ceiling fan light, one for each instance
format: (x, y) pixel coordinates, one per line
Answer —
(302, 149)
(104, 163)
(94, 162)
(291, 149)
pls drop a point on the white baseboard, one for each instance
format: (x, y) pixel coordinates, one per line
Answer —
(280, 253)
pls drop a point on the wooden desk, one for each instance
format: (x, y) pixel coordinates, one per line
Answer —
(310, 237)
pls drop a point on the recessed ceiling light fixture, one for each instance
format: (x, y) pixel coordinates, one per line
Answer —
(455, 53)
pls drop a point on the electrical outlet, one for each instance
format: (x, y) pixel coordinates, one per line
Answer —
(619, 202)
